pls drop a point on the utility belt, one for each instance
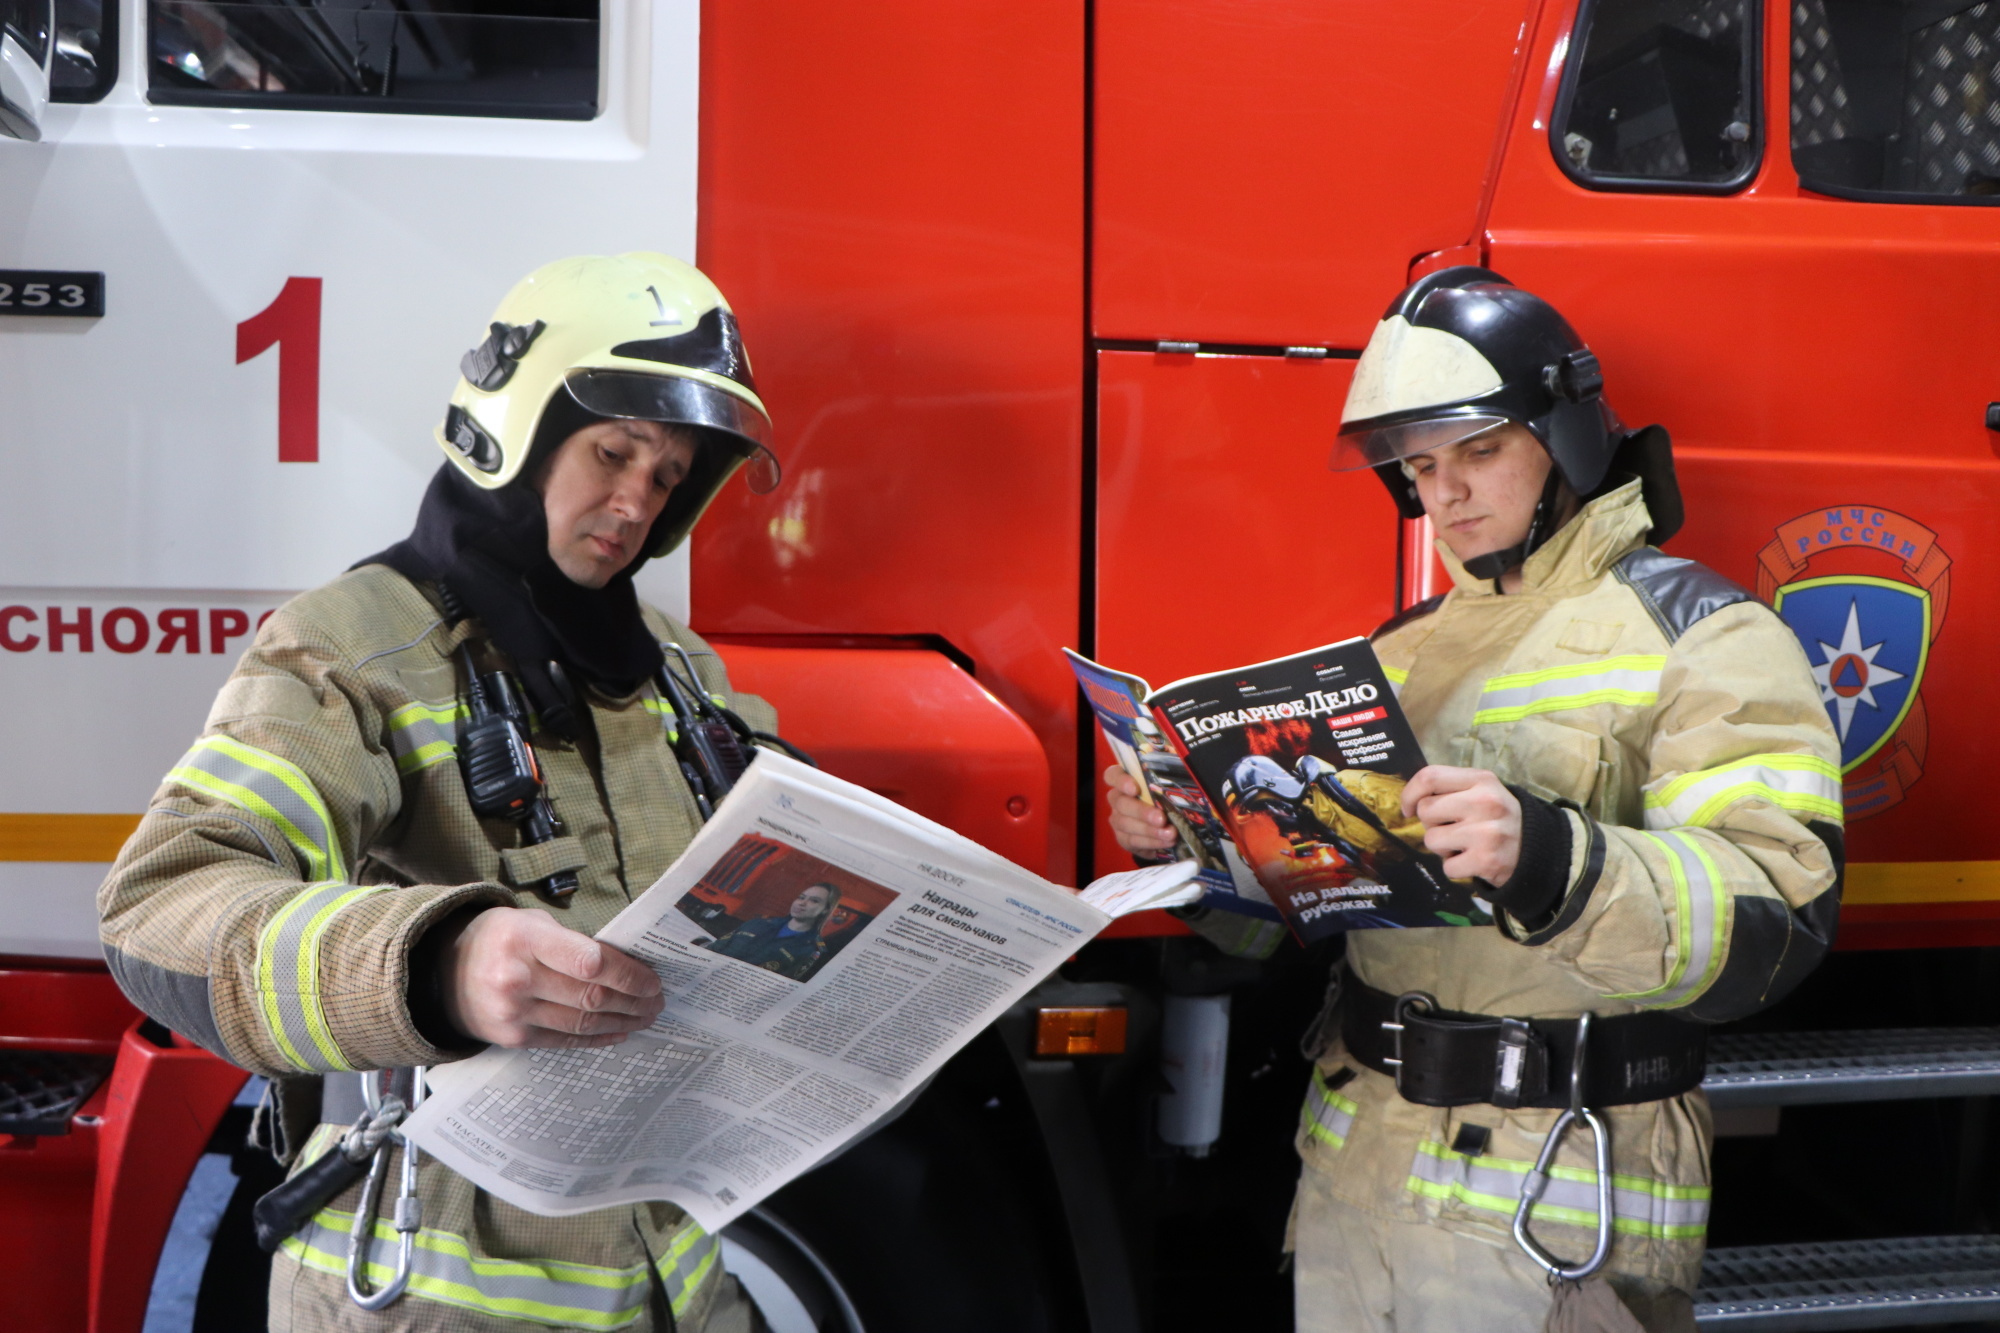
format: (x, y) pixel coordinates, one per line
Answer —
(1442, 1058)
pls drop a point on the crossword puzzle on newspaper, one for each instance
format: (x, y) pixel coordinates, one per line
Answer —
(584, 1102)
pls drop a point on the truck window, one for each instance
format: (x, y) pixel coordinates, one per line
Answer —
(1660, 95)
(27, 22)
(533, 58)
(86, 56)
(1897, 100)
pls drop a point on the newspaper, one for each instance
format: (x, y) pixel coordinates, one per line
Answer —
(777, 1046)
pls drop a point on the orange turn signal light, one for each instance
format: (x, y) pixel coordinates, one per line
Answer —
(1097, 1029)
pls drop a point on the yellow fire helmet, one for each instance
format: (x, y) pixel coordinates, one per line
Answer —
(639, 336)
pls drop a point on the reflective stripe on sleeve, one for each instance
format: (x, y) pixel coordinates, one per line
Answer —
(1639, 1207)
(422, 734)
(1699, 908)
(1633, 681)
(664, 711)
(1801, 783)
(288, 974)
(692, 1258)
(261, 783)
(445, 1270)
(1397, 678)
(1327, 1116)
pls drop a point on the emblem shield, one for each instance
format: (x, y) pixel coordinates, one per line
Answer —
(1868, 640)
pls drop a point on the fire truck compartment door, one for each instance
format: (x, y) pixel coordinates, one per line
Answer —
(911, 725)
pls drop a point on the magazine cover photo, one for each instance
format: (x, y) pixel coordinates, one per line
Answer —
(775, 907)
(1310, 757)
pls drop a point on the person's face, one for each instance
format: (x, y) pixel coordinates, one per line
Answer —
(1481, 493)
(812, 903)
(603, 487)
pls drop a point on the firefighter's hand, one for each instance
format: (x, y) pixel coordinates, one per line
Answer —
(1470, 819)
(514, 977)
(1140, 828)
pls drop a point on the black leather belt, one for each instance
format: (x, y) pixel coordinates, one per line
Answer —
(1442, 1058)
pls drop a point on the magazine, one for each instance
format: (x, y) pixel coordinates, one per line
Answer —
(1284, 781)
(823, 952)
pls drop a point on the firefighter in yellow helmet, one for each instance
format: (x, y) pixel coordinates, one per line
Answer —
(313, 894)
(1631, 752)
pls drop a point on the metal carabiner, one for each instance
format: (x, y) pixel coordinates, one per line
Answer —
(409, 1208)
(1538, 1179)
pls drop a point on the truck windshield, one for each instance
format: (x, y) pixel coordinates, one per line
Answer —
(1897, 99)
(1660, 95)
(535, 58)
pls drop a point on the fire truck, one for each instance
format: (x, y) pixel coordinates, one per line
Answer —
(1056, 303)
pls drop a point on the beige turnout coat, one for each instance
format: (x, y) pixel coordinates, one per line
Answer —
(1679, 717)
(267, 906)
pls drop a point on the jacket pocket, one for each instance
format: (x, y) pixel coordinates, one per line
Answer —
(1552, 761)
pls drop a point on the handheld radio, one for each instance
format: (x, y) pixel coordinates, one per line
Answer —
(501, 774)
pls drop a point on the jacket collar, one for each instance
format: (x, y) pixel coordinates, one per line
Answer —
(1603, 532)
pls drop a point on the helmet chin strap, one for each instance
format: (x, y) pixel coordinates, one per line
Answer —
(1541, 527)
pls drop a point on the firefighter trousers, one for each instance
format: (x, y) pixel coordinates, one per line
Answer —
(1356, 1273)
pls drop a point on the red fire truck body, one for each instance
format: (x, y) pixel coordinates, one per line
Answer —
(1056, 305)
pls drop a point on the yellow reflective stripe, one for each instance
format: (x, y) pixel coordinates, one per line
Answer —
(663, 710)
(422, 734)
(688, 1262)
(1396, 675)
(1633, 680)
(445, 1270)
(1800, 783)
(275, 789)
(288, 974)
(1327, 1116)
(1699, 912)
(1639, 1206)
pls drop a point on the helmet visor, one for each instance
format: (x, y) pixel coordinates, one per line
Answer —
(678, 401)
(1366, 446)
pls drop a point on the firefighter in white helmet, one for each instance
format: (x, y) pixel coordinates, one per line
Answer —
(314, 893)
(1631, 752)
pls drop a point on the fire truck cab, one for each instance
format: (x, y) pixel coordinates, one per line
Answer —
(1055, 303)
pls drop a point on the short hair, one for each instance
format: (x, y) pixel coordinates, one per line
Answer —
(833, 893)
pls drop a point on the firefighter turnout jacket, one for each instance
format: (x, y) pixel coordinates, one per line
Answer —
(1677, 719)
(268, 904)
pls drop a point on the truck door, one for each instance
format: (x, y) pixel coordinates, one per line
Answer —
(1776, 225)
(234, 276)
(1256, 204)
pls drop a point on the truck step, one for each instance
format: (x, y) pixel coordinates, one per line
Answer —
(41, 1090)
(1873, 1065)
(1861, 1284)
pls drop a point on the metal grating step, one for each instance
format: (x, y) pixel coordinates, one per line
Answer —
(1873, 1065)
(41, 1090)
(1924, 1280)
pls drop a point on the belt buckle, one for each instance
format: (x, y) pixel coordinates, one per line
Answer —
(1394, 1026)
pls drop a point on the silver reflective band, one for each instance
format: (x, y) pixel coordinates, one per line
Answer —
(691, 1259)
(1327, 1116)
(444, 1269)
(1359, 448)
(288, 989)
(422, 734)
(262, 784)
(1639, 1207)
(1700, 913)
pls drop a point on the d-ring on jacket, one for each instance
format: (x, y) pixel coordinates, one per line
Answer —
(1678, 718)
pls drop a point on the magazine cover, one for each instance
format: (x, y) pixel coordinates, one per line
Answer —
(1302, 762)
(1143, 750)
